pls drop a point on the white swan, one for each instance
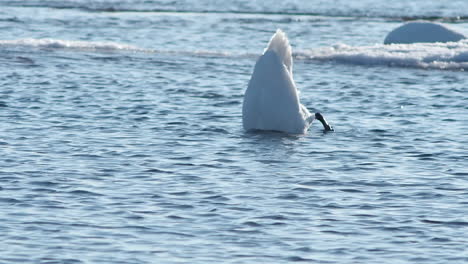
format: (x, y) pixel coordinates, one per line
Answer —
(271, 101)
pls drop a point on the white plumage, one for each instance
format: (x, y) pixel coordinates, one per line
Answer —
(271, 101)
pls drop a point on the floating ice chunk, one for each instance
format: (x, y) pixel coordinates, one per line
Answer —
(420, 31)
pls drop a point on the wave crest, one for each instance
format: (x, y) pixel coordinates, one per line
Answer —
(442, 56)
(69, 44)
(445, 56)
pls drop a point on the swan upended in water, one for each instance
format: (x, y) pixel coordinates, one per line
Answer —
(271, 101)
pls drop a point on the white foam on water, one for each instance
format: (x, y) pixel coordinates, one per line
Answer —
(444, 56)
(49, 43)
(97, 46)
(449, 56)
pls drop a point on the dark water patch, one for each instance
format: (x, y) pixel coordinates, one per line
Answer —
(342, 233)
(217, 198)
(134, 217)
(289, 196)
(304, 249)
(210, 95)
(420, 259)
(42, 223)
(59, 261)
(84, 193)
(259, 20)
(446, 223)
(278, 224)
(424, 156)
(273, 217)
(352, 190)
(11, 19)
(366, 207)
(214, 166)
(140, 156)
(365, 215)
(396, 229)
(176, 123)
(44, 183)
(168, 233)
(176, 217)
(44, 190)
(216, 130)
(449, 120)
(10, 201)
(177, 206)
(154, 170)
(333, 206)
(141, 119)
(182, 158)
(183, 193)
(15, 259)
(450, 188)
(211, 117)
(26, 60)
(303, 189)
(222, 160)
(461, 174)
(366, 164)
(185, 164)
(208, 215)
(440, 239)
(189, 178)
(427, 195)
(245, 231)
(254, 257)
(111, 59)
(377, 183)
(252, 224)
(379, 131)
(386, 196)
(143, 212)
(271, 161)
(322, 182)
(94, 226)
(137, 227)
(87, 156)
(406, 122)
(227, 103)
(300, 259)
(241, 209)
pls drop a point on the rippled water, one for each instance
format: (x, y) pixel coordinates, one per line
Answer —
(122, 142)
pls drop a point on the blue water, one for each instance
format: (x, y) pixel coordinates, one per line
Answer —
(121, 138)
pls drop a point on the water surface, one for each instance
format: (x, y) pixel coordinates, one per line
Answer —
(122, 141)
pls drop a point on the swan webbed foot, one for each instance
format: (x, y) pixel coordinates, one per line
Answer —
(327, 127)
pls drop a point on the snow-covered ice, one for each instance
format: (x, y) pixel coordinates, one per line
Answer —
(422, 31)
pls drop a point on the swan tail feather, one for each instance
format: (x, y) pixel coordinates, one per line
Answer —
(279, 43)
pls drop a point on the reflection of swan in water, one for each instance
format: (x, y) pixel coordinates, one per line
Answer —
(421, 31)
(271, 101)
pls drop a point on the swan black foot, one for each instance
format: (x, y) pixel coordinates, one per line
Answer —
(322, 120)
